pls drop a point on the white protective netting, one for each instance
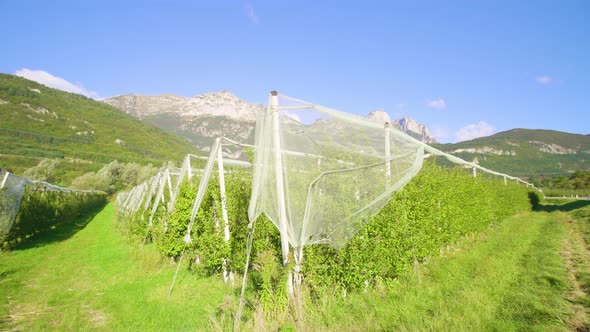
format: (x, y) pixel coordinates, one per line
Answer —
(11, 192)
(12, 189)
(336, 170)
(162, 189)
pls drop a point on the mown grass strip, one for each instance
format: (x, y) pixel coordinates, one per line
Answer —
(92, 280)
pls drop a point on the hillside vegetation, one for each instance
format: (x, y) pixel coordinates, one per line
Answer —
(527, 152)
(78, 133)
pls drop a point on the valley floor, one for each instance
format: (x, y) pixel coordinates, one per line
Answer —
(532, 272)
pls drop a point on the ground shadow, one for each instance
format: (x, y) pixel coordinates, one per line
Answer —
(60, 232)
(565, 207)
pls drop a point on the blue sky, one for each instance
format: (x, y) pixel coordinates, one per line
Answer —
(463, 68)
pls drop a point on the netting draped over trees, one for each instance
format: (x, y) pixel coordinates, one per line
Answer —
(331, 169)
(47, 205)
(319, 176)
(12, 189)
(319, 173)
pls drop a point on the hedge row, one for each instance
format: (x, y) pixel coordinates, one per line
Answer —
(437, 208)
(434, 210)
(41, 211)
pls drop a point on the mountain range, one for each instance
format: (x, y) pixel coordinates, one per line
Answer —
(526, 152)
(521, 152)
(38, 122)
(205, 116)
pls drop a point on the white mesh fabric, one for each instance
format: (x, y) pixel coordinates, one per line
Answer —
(203, 183)
(334, 169)
(12, 188)
(11, 194)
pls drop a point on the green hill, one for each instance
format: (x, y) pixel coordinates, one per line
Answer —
(527, 152)
(38, 122)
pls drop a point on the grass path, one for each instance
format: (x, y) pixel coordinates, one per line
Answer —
(93, 281)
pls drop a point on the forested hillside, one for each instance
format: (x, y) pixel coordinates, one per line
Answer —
(527, 152)
(75, 133)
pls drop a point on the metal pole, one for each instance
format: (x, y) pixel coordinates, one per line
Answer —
(279, 177)
(387, 156)
(4, 180)
(170, 190)
(223, 206)
(190, 170)
(222, 193)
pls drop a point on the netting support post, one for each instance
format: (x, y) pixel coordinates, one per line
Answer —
(474, 171)
(276, 137)
(220, 171)
(4, 179)
(190, 170)
(387, 155)
(505, 181)
(170, 189)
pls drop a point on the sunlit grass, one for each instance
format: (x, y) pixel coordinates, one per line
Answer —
(94, 280)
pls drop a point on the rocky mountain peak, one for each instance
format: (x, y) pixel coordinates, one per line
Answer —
(413, 128)
(221, 103)
(379, 116)
(407, 125)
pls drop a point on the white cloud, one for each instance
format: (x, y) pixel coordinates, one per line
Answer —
(45, 78)
(250, 13)
(544, 79)
(474, 130)
(438, 104)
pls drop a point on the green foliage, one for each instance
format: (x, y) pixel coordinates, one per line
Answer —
(579, 180)
(44, 171)
(208, 248)
(41, 211)
(115, 176)
(435, 209)
(271, 282)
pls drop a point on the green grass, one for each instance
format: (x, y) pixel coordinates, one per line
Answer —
(515, 276)
(575, 216)
(93, 280)
(512, 278)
